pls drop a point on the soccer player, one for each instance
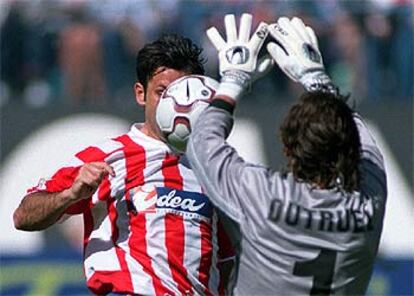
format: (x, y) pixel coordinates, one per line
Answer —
(148, 227)
(314, 229)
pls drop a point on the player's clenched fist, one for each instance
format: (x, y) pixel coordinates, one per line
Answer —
(89, 178)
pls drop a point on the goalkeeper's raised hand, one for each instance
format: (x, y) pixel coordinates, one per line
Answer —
(297, 53)
(238, 55)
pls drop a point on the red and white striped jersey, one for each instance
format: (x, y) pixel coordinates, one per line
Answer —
(149, 230)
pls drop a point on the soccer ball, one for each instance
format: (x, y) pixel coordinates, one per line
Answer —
(180, 105)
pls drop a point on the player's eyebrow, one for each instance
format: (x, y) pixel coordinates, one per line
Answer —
(162, 84)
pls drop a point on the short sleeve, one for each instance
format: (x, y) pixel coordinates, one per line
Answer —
(65, 176)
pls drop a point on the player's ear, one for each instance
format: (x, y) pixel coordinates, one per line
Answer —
(139, 93)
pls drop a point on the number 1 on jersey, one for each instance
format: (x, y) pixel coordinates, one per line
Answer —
(321, 269)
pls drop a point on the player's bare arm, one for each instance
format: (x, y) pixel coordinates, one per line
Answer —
(39, 210)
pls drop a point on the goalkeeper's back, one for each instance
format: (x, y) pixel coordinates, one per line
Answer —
(296, 239)
(305, 241)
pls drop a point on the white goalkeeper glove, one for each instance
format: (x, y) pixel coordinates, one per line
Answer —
(238, 55)
(297, 54)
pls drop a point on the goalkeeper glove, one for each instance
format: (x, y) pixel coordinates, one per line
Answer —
(297, 54)
(238, 55)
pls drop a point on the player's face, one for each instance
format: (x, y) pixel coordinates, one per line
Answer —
(150, 96)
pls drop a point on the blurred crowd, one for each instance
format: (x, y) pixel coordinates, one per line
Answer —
(83, 52)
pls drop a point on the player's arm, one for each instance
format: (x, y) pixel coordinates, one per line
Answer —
(372, 167)
(216, 164)
(40, 210)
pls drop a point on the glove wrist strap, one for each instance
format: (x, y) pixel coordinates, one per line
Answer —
(233, 83)
(318, 81)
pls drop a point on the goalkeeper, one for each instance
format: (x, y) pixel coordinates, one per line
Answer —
(314, 228)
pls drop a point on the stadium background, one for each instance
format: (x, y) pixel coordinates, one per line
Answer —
(67, 70)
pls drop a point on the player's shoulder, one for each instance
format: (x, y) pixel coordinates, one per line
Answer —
(103, 150)
(130, 144)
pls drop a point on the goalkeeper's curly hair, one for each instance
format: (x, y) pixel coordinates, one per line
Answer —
(322, 142)
(171, 51)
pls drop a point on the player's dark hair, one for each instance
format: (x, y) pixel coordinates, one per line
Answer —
(171, 51)
(322, 142)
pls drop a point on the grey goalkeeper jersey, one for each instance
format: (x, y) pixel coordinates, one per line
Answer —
(295, 240)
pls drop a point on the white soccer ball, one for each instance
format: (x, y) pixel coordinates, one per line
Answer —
(180, 106)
